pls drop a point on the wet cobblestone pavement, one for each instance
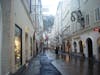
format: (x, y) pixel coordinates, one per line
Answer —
(46, 67)
(74, 65)
(40, 65)
(61, 64)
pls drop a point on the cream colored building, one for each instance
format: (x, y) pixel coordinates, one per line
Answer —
(84, 39)
(38, 20)
(56, 30)
(17, 35)
(80, 26)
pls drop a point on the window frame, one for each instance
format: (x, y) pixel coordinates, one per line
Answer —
(21, 57)
(97, 14)
(87, 20)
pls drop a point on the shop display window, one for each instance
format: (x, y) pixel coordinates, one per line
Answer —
(18, 46)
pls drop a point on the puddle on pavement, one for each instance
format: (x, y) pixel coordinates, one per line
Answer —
(82, 66)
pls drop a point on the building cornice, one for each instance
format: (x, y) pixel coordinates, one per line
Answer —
(86, 29)
(81, 31)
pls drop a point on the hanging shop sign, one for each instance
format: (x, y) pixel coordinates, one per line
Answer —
(96, 29)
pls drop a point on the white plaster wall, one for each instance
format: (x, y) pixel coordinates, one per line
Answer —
(89, 7)
(94, 36)
(89, 34)
(22, 20)
(6, 36)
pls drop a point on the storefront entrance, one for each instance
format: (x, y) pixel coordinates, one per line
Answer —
(68, 46)
(81, 46)
(75, 47)
(26, 47)
(89, 47)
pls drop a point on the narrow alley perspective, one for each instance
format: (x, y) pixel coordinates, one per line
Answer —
(49, 37)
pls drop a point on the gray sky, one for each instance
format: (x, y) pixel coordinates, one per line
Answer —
(50, 5)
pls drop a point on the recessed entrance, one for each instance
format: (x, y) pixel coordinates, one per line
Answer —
(89, 47)
(26, 46)
(98, 45)
(75, 47)
(68, 46)
(81, 46)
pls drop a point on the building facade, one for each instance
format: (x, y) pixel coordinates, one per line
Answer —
(85, 39)
(56, 30)
(81, 27)
(38, 22)
(17, 35)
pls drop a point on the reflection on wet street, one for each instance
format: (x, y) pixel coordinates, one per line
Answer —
(80, 66)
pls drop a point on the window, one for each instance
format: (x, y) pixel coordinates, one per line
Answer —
(18, 46)
(87, 19)
(97, 14)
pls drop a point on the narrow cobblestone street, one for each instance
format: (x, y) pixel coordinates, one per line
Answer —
(46, 67)
(41, 65)
(49, 37)
(62, 64)
(74, 65)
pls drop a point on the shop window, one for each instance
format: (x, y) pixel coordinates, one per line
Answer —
(18, 46)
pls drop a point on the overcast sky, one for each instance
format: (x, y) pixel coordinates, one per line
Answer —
(50, 6)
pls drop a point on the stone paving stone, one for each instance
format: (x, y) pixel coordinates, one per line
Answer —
(46, 67)
(73, 65)
(40, 65)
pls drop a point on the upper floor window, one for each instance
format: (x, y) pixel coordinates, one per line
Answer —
(87, 19)
(97, 14)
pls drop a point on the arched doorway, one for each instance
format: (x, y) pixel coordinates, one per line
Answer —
(68, 46)
(75, 47)
(26, 46)
(98, 47)
(81, 46)
(37, 48)
(63, 46)
(89, 47)
(34, 44)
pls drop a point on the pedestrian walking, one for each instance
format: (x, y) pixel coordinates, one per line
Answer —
(56, 50)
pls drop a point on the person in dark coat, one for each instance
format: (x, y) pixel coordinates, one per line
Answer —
(56, 50)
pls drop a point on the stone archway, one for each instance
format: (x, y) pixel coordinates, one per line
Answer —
(68, 46)
(75, 47)
(26, 46)
(90, 48)
(81, 46)
(98, 47)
